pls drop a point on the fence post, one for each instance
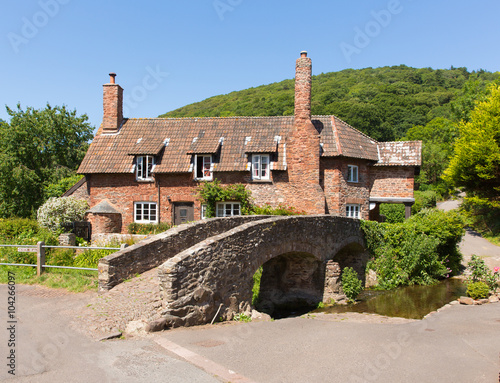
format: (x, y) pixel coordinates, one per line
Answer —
(40, 257)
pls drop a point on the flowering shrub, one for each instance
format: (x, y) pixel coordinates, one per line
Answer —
(479, 272)
(58, 211)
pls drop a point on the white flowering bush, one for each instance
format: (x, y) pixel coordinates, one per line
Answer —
(58, 211)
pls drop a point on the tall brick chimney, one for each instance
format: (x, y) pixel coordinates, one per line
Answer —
(302, 146)
(303, 79)
(112, 105)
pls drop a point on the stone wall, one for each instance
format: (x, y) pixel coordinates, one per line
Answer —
(219, 270)
(153, 251)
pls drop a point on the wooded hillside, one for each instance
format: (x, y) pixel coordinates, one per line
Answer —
(382, 102)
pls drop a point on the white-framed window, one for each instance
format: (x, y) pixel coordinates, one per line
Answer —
(228, 209)
(144, 168)
(145, 212)
(203, 211)
(260, 166)
(352, 173)
(352, 211)
(203, 167)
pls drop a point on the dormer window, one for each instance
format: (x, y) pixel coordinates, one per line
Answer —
(260, 166)
(203, 167)
(144, 168)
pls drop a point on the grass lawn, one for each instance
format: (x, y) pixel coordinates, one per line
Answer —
(71, 280)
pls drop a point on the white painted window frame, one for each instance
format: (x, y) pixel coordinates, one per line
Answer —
(261, 165)
(227, 209)
(144, 168)
(141, 208)
(352, 210)
(352, 173)
(210, 173)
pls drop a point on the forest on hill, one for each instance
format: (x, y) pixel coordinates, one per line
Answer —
(381, 102)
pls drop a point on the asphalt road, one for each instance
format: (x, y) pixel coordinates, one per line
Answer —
(458, 344)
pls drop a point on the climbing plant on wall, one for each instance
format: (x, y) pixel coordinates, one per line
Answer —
(212, 192)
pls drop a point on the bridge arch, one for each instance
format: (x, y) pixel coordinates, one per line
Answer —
(217, 272)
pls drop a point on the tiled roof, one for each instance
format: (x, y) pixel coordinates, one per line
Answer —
(175, 140)
(400, 153)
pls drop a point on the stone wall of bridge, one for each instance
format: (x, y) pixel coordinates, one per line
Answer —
(215, 275)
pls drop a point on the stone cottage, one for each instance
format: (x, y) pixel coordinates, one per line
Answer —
(148, 170)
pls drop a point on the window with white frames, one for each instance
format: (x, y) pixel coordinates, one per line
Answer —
(203, 167)
(203, 211)
(228, 209)
(145, 212)
(144, 168)
(352, 211)
(260, 166)
(352, 173)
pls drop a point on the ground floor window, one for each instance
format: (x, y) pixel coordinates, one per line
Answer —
(145, 212)
(352, 211)
(203, 211)
(228, 209)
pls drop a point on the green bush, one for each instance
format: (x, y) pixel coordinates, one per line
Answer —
(281, 209)
(148, 228)
(351, 284)
(424, 200)
(60, 257)
(212, 192)
(393, 212)
(418, 251)
(18, 228)
(56, 212)
(478, 290)
(479, 272)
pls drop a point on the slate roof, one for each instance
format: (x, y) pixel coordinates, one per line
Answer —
(174, 141)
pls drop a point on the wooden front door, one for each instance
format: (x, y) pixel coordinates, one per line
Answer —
(183, 212)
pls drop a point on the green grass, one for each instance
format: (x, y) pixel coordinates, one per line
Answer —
(494, 239)
(71, 280)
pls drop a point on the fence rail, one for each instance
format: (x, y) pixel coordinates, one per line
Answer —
(40, 247)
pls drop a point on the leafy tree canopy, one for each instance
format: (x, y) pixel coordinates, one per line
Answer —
(382, 102)
(37, 148)
(475, 165)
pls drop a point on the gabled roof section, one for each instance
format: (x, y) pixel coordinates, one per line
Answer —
(400, 153)
(174, 141)
(340, 139)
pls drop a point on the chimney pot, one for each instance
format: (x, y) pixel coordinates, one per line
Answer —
(112, 77)
(303, 54)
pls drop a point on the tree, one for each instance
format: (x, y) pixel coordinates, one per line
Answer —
(37, 148)
(475, 165)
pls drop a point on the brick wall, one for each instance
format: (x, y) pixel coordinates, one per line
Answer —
(339, 192)
(112, 107)
(392, 181)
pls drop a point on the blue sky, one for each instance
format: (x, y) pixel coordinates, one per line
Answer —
(171, 53)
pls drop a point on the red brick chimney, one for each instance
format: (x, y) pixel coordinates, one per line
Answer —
(303, 74)
(302, 146)
(112, 105)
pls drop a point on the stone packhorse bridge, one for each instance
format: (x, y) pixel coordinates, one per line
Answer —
(207, 267)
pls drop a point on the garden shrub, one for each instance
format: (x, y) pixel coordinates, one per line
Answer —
(393, 212)
(148, 228)
(478, 290)
(424, 200)
(479, 272)
(59, 211)
(351, 284)
(281, 209)
(418, 251)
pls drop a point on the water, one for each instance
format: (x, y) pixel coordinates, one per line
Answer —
(413, 302)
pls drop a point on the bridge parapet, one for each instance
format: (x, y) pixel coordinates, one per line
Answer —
(218, 271)
(152, 252)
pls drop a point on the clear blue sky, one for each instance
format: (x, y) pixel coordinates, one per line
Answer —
(61, 51)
